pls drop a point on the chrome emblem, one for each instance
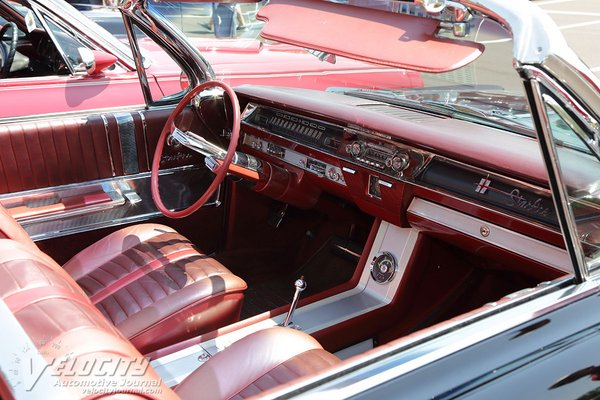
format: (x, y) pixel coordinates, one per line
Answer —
(483, 185)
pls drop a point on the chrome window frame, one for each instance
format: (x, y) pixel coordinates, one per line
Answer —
(539, 84)
(172, 41)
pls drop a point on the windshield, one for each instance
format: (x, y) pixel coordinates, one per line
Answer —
(486, 91)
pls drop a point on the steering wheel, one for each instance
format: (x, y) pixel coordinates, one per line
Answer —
(201, 145)
(8, 56)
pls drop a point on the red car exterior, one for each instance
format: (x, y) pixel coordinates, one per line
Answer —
(271, 64)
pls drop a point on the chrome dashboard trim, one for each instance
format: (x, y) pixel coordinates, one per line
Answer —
(353, 130)
(317, 167)
(428, 157)
(498, 236)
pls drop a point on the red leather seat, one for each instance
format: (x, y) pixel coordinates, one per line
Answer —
(68, 331)
(151, 283)
(257, 363)
(64, 325)
(154, 285)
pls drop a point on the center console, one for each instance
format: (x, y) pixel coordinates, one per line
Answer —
(371, 292)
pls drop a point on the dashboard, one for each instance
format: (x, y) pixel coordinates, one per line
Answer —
(347, 153)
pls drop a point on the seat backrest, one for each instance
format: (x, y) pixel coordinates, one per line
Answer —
(85, 353)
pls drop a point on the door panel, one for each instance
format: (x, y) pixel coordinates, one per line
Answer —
(70, 174)
(61, 151)
(53, 152)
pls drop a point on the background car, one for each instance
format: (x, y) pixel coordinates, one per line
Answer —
(51, 65)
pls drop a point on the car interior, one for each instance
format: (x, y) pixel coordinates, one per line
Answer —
(379, 220)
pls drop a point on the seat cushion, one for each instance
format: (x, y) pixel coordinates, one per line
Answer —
(73, 337)
(155, 286)
(255, 364)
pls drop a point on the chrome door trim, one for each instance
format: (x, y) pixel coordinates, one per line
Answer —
(127, 143)
(133, 209)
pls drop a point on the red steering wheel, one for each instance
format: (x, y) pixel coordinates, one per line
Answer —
(220, 171)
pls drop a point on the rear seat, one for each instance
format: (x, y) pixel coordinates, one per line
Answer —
(64, 325)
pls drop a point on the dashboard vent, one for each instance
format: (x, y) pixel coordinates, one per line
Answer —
(401, 113)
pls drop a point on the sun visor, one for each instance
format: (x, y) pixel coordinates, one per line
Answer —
(387, 38)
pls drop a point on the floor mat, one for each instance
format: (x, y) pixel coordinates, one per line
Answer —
(333, 264)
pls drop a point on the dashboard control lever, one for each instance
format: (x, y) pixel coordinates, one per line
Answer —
(300, 285)
(277, 216)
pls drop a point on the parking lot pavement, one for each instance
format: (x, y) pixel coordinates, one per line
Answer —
(579, 21)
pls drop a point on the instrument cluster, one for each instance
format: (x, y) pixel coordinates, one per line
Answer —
(375, 152)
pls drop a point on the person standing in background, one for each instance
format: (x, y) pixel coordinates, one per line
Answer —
(223, 18)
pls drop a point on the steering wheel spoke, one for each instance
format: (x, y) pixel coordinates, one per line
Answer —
(217, 159)
(197, 143)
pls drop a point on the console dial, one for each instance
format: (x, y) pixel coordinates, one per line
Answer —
(383, 267)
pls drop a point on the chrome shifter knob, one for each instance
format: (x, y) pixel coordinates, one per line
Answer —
(300, 285)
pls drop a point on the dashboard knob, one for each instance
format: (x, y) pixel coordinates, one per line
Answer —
(399, 162)
(333, 175)
(356, 149)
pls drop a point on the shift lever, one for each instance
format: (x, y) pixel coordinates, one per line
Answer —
(300, 285)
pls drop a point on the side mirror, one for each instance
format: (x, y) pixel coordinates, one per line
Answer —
(95, 61)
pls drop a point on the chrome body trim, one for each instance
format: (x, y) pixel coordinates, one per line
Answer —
(170, 39)
(138, 58)
(535, 34)
(84, 26)
(560, 196)
(496, 235)
(42, 18)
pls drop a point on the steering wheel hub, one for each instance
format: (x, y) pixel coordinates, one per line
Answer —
(199, 144)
